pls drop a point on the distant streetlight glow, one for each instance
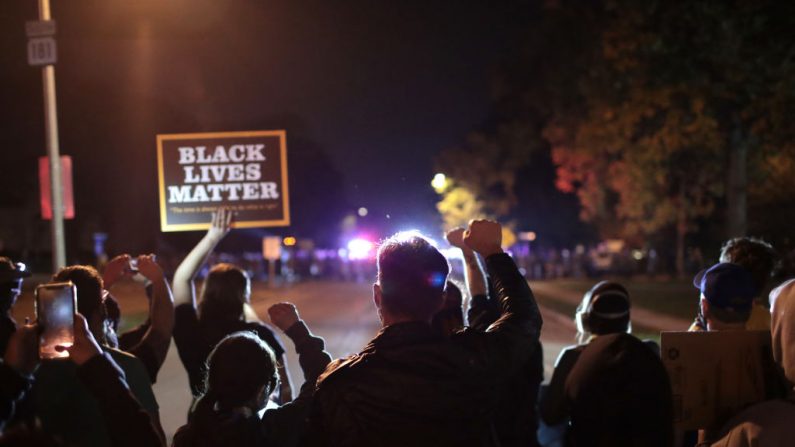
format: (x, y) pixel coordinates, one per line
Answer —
(528, 236)
(439, 182)
(289, 241)
(363, 212)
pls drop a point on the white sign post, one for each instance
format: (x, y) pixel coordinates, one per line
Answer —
(272, 251)
(42, 52)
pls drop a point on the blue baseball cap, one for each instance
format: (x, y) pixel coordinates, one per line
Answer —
(727, 286)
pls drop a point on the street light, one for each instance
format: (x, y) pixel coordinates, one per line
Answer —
(439, 182)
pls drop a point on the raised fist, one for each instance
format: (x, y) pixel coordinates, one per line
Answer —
(283, 315)
(116, 269)
(148, 267)
(484, 236)
(456, 238)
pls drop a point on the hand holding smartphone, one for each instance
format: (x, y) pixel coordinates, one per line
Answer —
(56, 304)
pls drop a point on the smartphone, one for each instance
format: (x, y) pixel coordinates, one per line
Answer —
(55, 304)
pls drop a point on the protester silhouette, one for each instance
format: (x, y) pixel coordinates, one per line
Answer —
(59, 399)
(759, 259)
(611, 389)
(126, 423)
(771, 423)
(198, 327)
(516, 415)
(411, 385)
(150, 340)
(11, 276)
(241, 375)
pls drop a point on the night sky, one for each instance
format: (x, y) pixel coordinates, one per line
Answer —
(378, 88)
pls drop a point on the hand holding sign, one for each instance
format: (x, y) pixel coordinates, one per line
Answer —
(221, 224)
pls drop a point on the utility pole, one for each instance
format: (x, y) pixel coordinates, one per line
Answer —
(53, 152)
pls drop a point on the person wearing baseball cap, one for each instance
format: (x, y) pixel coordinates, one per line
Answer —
(11, 275)
(727, 296)
(601, 389)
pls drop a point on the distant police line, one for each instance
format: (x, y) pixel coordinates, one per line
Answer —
(204, 173)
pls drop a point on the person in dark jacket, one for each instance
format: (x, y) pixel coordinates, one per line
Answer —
(241, 375)
(516, 418)
(11, 276)
(59, 399)
(411, 385)
(126, 422)
(637, 408)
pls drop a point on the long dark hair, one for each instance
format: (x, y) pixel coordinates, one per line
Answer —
(223, 296)
(237, 368)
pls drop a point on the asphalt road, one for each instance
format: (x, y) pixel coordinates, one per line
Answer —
(340, 312)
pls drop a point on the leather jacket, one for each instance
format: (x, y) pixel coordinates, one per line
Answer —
(411, 386)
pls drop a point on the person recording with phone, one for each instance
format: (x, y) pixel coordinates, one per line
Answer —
(149, 341)
(125, 421)
(59, 400)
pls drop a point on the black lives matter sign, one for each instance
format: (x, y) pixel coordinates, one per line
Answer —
(243, 171)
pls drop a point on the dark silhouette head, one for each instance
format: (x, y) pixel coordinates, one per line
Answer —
(226, 290)
(90, 303)
(755, 255)
(411, 277)
(604, 310)
(450, 318)
(241, 372)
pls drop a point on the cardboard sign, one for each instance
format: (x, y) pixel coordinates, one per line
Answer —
(714, 375)
(243, 171)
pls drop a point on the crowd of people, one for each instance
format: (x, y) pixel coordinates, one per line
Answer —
(453, 364)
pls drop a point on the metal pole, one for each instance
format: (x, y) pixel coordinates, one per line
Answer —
(51, 133)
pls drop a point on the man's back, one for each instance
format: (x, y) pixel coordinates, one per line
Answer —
(410, 386)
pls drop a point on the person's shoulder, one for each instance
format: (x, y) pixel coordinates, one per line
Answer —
(183, 436)
(573, 350)
(129, 363)
(340, 369)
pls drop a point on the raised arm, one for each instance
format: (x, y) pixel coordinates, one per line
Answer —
(284, 425)
(184, 291)
(473, 272)
(481, 310)
(157, 338)
(519, 325)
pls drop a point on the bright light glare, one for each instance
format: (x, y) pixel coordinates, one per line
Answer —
(528, 236)
(363, 212)
(406, 235)
(289, 241)
(439, 182)
(360, 249)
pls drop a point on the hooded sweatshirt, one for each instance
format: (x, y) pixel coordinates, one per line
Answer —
(771, 423)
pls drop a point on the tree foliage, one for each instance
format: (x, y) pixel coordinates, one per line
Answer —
(660, 116)
(681, 99)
